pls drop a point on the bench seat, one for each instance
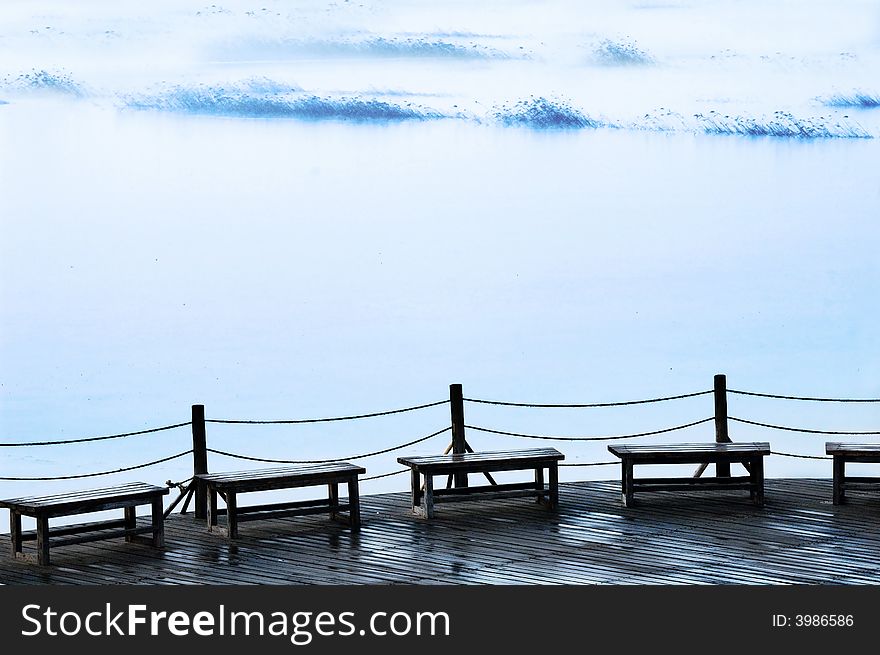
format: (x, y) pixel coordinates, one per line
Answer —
(42, 508)
(231, 483)
(865, 453)
(750, 455)
(428, 466)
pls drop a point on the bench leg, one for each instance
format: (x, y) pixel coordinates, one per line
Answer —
(333, 496)
(429, 496)
(539, 483)
(757, 475)
(130, 522)
(626, 481)
(42, 540)
(354, 503)
(416, 490)
(212, 508)
(749, 466)
(158, 523)
(231, 515)
(553, 470)
(839, 465)
(15, 532)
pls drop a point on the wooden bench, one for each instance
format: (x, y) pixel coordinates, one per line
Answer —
(750, 454)
(230, 484)
(484, 462)
(42, 508)
(850, 452)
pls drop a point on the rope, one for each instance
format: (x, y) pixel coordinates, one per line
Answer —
(617, 404)
(384, 475)
(111, 436)
(94, 475)
(182, 485)
(325, 461)
(788, 429)
(329, 420)
(774, 452)
(592, 464)
(623, 436)
(818, 400)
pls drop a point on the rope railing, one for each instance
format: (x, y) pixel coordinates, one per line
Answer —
(180, 486)
(59, 442)
(776, 452)
(326, 420)
(805, 430)
(813, 399)
(100, 473)
(604, 438)
(456, 400)
(384, 475)
(326, 461)
(587, 405)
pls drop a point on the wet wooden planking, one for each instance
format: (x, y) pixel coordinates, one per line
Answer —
(799, 537)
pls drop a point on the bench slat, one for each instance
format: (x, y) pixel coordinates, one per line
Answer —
(105, 498)
(852, 449)
(288, 472)
(132, 488)
(84, 494)
(692, 453)
(757, 447)
(474, 461)
(490, 466)
(93, 505)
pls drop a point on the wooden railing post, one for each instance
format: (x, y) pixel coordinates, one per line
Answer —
(722, 470)
(456, 408)
(200, 458)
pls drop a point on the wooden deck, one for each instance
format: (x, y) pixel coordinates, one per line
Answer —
(667, 538)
